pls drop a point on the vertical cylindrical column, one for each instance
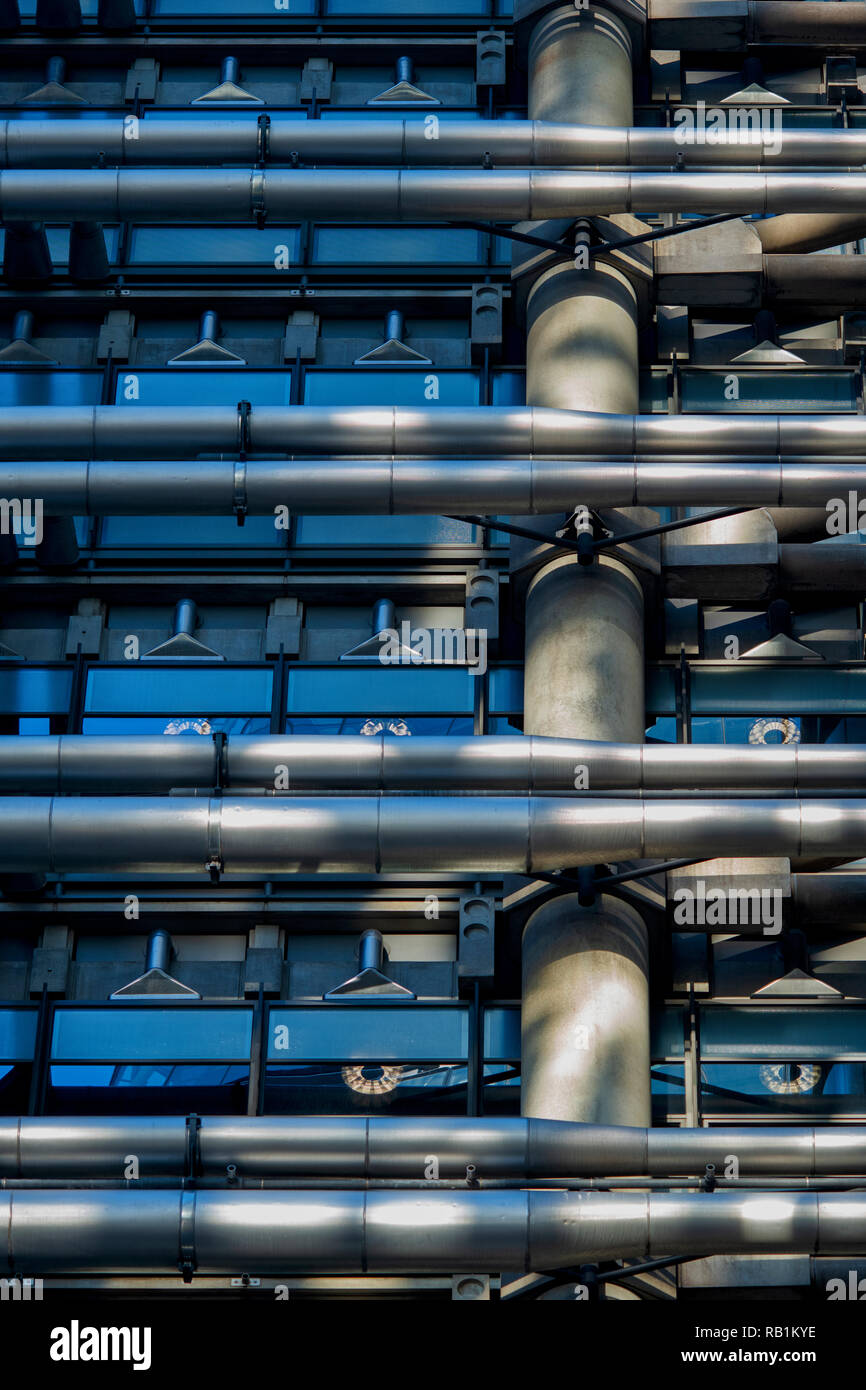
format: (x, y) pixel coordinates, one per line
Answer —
(585, 1037)
(585, 1020)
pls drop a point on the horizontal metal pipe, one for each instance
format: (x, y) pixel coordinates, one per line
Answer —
(409, 195)
(373, 834)
(334, 1232)
(401, 1148)
(405, 486)
(733, 26)
(150, 432)
(78, 763)
(424, 140)
(806, 232)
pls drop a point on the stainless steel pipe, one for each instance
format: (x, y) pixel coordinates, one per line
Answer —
(175, 195)
(278, 1146)
(385, 834)
(424, 140)
(334, 1232)
(365, 486)
(518, 432)
(77, 763)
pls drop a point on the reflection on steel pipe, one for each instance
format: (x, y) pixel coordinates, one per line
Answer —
(149, 432)
(384, 834)
(415, 140)
(75, 763)
(395, 1148)
(174, 195)
(378, 487)
(52, 1232)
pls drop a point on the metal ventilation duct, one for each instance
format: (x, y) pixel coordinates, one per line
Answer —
(517, 432)
(278, 1146)
(175, 195)
(91, 1232)
(75, 763)
(416, 140)
(382, 834)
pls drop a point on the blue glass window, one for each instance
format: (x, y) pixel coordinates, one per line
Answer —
(158, 690)
(276, 247)
(355, 1032)
(196, 725)
(456, 726)
(286, 8)
(126, 1033)
(31, 690)
(401, 7)
(367, 1089)
(209, 386)
(17, 1034)
(506, 689)
(364, 245)
(783, 1032)
(401, 386)
(146, 532)
(501, 1034)
(383, 530)
(380, 690)
(58, 237)
(792, 389)
(42, 386)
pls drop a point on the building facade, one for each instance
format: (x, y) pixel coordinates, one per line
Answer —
(432, 704)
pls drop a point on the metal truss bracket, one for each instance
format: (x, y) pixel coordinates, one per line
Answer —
(263, 140)
(193, 1145)
(186, 1263)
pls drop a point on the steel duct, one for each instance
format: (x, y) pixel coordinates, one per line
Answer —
(335, 1147)
(89, 1232)
(415, 195)
(150, 432)
(78, 763)
(423, 141)
(365, 486)
(373, 834)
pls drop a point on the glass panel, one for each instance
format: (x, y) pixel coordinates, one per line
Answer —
(30, 690)
(508, 388)
(667, 1087)
(506, 689)
(782, 1032)
(208, 690)
(276, 247)
(14, 1089)
(400, 7)
(181, 726)
(457, 726)
(126, 1033)
(209, 386)
(667, 1038)
(736, 689)
(365, 1090)
(502, 1034)
(382, 530)
(17, 1034)
(381, 386)
(356, 1032)
(380, 690)
(190, 533)
(58, 237)
(253, 8)
(791, 389)
(500, 1097)
(799, 1088)
(40, 386)
(433, 246)
(148, 1090)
